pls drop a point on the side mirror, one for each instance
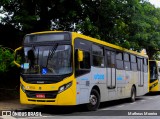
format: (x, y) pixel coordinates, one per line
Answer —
(80, 55)
(15, 56)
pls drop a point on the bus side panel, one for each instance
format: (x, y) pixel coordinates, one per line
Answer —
(120, 83)
(83, 88)
(86, 82)
(146, 82)
(99, 78)
(142, 89)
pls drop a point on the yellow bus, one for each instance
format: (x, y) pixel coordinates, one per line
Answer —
(154, 83)
(68, 68)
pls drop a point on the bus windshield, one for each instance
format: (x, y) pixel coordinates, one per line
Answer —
(47, 60)
(153, 71)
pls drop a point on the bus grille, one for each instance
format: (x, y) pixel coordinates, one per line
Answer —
(48, 94)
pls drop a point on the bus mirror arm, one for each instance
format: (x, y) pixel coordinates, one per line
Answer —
(80, 55)
(15, 56)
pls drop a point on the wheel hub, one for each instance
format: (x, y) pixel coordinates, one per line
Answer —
(93, 99)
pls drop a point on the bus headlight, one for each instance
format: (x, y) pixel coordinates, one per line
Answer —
(23, 88)
(64, 87)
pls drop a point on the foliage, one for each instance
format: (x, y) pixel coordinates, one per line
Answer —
(129, 23)
(145, 29)
(6, 59)
(156, 56)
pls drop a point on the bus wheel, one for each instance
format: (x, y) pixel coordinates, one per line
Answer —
(133, 94)
(94, 101)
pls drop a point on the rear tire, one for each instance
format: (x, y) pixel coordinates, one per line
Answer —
(133, 94)
(94, 101)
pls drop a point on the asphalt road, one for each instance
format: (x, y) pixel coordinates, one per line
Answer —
(145, 107)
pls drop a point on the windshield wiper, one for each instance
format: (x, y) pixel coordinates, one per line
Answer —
(51, 53)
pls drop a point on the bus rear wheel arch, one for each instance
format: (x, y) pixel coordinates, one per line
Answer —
(94, 100)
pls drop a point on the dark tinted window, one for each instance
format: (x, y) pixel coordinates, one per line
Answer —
(127, 65)
(85, 64)
(119, 55)
(126, 57)
(97, 50)
(145, 65)
(119, 60)
(98, 61)
(134, 66)
(97, 56)
(112, 59)
(133, 58)
(119, 64)
(145, 61)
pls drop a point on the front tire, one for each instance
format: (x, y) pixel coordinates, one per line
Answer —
(94, 101)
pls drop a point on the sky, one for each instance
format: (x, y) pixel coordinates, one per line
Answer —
(156, 3)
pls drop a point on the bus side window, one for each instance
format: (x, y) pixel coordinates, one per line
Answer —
(145, 65)
(119, 60)
(108, 58)
(84, 66)
(133, 62)
(97, 56)
(127, 64)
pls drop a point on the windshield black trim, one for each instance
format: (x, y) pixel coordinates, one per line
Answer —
(68, 36)
(47, 43)
(43, 79)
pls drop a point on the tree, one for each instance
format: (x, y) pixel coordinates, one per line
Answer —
(38, 15)
(128, 23)
(144, 29)
(6, 59)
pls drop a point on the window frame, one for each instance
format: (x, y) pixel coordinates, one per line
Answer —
(96, 55)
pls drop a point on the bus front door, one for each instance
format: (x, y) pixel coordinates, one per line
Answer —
(141, 73)
(111, 71)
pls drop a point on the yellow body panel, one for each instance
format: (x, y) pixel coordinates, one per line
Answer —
(67, 97)
(154, 86)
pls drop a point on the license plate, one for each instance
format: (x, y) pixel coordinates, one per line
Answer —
(40, 95)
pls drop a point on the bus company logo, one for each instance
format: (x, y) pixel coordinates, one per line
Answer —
(99, 76)
(20, 114)
(6, 113)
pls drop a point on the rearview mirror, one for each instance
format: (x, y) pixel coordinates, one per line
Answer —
(80, 55)
(15, 57)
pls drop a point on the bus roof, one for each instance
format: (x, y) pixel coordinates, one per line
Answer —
(108, 44)
(75, 34)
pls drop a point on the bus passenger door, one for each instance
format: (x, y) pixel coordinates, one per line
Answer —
(140, 72)
(111, 71)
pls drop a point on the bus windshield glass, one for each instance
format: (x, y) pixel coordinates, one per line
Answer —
(47, 60)
(153, 71)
